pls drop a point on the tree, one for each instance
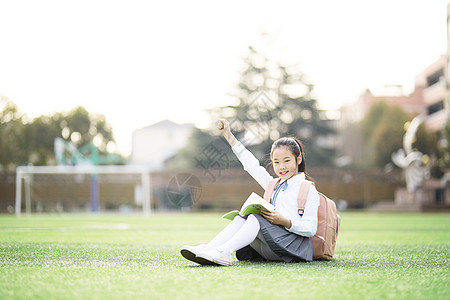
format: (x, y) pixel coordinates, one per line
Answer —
(83, 128)
(12, 140)
(387, 137)
(40, 135)
(33, 142)
(444, 149)
(383, 130)
(204, 152)
(275, 100)
(77, 126)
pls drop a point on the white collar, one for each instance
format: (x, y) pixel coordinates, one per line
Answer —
(295, 179)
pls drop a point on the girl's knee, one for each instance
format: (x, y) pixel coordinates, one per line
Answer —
(238, 219)
(252, 217)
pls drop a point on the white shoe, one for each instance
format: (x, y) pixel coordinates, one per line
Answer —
(216, 256)
(190, 253)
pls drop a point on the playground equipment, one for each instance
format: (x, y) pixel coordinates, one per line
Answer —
(67, 154)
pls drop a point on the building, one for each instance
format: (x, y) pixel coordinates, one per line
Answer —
(436, 80)
(413, 104)
(430, 96)
(154, 144)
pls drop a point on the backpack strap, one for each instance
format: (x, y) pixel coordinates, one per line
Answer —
(302, 195)
(269, 189)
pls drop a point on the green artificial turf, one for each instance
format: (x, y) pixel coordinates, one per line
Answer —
(378, 256)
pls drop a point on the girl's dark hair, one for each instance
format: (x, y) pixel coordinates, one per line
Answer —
(296, 147)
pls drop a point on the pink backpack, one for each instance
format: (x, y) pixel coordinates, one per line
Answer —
(324, 241)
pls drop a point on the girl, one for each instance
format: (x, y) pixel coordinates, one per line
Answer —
(281, 235)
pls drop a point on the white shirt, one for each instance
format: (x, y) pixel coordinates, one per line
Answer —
(286, 201)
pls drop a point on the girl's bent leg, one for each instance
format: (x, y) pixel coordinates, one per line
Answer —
(228, 232)
(243, 237)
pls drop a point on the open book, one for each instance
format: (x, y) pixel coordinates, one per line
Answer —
(253, 204)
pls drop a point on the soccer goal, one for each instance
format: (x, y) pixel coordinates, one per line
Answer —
(82, 188)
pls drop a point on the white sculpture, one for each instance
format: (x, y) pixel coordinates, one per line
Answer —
(409, 160)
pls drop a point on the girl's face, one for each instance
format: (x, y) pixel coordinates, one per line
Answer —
(285, 163)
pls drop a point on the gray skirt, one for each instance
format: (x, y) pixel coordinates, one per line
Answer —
(289, 246)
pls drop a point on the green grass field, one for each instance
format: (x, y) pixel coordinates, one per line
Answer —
(378, 256)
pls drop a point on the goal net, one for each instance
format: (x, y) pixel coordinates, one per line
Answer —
(82, 188)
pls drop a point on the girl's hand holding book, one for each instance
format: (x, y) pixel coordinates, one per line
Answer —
(276, 218)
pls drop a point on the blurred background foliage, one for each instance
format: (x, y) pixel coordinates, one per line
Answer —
(24, 141)
(271, 99)
(274, 100)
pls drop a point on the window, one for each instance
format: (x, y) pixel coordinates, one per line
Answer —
(438, 106)
(435, 77)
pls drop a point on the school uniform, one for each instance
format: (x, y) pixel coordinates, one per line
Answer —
(295, 243)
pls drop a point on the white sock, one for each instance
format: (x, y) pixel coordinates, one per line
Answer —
(227, 232)
(243, 237)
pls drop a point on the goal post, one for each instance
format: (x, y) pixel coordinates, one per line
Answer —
(83, 183)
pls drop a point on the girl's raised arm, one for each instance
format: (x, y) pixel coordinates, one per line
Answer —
(224, 127)
(248, 160)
